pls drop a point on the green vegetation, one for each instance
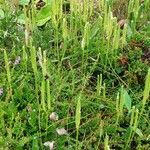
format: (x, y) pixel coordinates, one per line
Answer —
(74, 74)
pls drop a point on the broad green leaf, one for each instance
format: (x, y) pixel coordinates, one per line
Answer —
(35, 145)
(2, 14)
(24, 2)
(127, 100)
(42, 21)
(21, 19)
(44, 15)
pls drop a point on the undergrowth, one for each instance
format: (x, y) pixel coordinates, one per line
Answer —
(74, 74)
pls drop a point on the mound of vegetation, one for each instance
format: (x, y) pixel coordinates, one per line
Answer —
(74, 74)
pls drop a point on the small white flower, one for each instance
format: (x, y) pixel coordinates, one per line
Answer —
(53, 116)
(49, 144)
(17, 60)
(61, 131)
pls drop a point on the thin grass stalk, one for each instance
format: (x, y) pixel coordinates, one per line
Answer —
(49, 103)
(146, 92)
(124, 41)
(55, 22)
(24, 57)
(105, 16)
(73, 7)
(122, 98)
(109, 27)
(147, 5)
(133, 126)
(27, 28)
(85, 43)
(133, 11)
(117, 109)
(7, 68)
(106, 141)
(116, 41)
(101, 131)
(91, 7)
(77, 120)
(33, 12)
(56, 39)
(73, 81)
(45, 84)
(104, 91)
(87, 37)
(108, 31)
(71, 19)
(35, 71)
(34, 66)
(114, 45)
(99, 85)
(136, 120)
(43, 104)
(60, 9)
(101, 4)
(65, 36)
(33, 60)
(130, 7)
(85, 10)
(136, 12)
(44, 65)
(8, 73)
(136, 8)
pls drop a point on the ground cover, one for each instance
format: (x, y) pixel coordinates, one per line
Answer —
(74, 74)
